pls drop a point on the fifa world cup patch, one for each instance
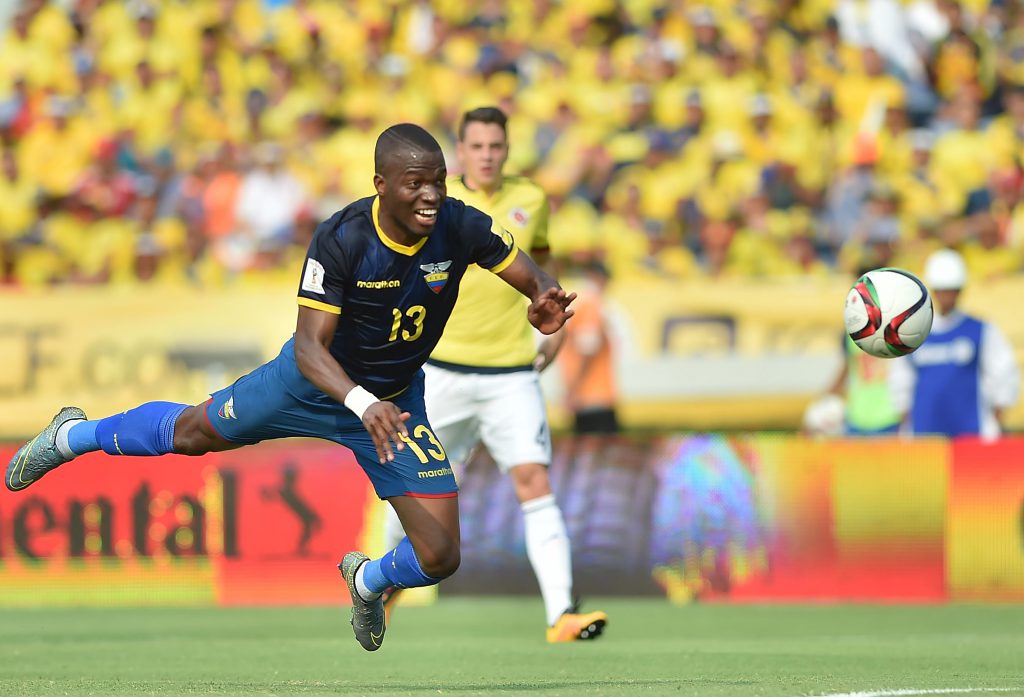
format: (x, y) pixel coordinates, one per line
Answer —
(313, 278)
(227, 410)
(436, 275)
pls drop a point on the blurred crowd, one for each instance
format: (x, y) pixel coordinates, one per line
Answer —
(200, 141)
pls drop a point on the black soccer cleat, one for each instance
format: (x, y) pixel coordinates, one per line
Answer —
(367, 616)
(39, 455)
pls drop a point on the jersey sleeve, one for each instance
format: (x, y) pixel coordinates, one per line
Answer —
(490, 245)
(324, 272)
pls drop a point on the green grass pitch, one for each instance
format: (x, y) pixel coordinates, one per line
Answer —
(465, 647)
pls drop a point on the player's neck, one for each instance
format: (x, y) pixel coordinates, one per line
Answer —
(393, 231)
(476, 186)
(396, 235)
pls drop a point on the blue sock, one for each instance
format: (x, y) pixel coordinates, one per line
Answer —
(82, 437)
(399, 567)
(145, 430)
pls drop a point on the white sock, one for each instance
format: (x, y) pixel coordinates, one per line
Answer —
(547, 546)
(364, 592)
(393, 530)
(62, 438)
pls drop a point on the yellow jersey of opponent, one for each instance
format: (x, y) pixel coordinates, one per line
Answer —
(488, 327)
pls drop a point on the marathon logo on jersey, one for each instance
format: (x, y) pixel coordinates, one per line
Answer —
(313, 278)
(227, 410)
(437, 275)
(430, 474)
(378, 285)
(519, 216)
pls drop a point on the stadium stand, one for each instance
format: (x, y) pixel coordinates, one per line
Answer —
(199, 142)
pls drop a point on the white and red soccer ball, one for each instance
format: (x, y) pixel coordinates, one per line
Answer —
(888, 312)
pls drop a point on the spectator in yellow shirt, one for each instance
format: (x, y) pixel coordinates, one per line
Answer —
(17, 199)
(56, 152)
(987, 257)
(963, 156)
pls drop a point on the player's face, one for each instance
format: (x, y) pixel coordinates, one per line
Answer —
(412, 191)
(482, 153)
(946, 300)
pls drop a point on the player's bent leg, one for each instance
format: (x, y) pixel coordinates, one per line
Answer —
(393, 534)
(393, 530)
(432, 528)
(428, 555)
(458, 432)
(421, 487)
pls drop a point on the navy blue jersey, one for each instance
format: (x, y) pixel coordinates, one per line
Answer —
(394, 300)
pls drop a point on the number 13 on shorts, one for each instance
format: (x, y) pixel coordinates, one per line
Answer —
(434, 449)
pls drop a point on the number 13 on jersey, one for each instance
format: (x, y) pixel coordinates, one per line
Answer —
(416, 313)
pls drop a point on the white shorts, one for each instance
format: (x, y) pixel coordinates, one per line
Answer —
(503, 410)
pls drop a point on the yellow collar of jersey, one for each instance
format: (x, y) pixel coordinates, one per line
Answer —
(407, 250)
(480, 192)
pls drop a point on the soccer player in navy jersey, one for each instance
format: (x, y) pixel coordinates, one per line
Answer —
(379, 282)
(483, 377)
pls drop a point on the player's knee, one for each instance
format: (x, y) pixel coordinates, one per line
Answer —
(441, 561)
(191, 444)
(189, 438)
(531, 481)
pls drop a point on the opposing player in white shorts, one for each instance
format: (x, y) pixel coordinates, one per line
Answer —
(482, 380)
(503, 410)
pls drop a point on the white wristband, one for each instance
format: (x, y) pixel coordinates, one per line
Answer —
(359, 400)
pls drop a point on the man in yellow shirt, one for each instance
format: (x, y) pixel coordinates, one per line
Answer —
(482, 381)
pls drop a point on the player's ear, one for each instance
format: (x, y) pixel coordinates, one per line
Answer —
(378, 184)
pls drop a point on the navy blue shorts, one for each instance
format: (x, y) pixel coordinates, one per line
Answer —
(277, 401)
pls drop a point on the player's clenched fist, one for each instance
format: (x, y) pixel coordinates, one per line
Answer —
(386, 424)
(550, 310)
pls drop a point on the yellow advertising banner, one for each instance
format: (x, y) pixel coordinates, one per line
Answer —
(732, 317)
(754, 318)
(107, 351)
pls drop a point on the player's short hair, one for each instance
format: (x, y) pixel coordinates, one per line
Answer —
(402, 136)
(484, 114)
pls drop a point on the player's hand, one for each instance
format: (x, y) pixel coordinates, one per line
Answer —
(386, 425)
(550, 310)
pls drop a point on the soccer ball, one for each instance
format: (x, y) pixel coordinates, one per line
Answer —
(888, 313)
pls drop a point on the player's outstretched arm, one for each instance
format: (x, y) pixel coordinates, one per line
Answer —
(549, 308)
(548, 349)
(384, 421)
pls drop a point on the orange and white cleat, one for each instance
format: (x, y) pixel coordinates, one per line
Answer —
(576, 626)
